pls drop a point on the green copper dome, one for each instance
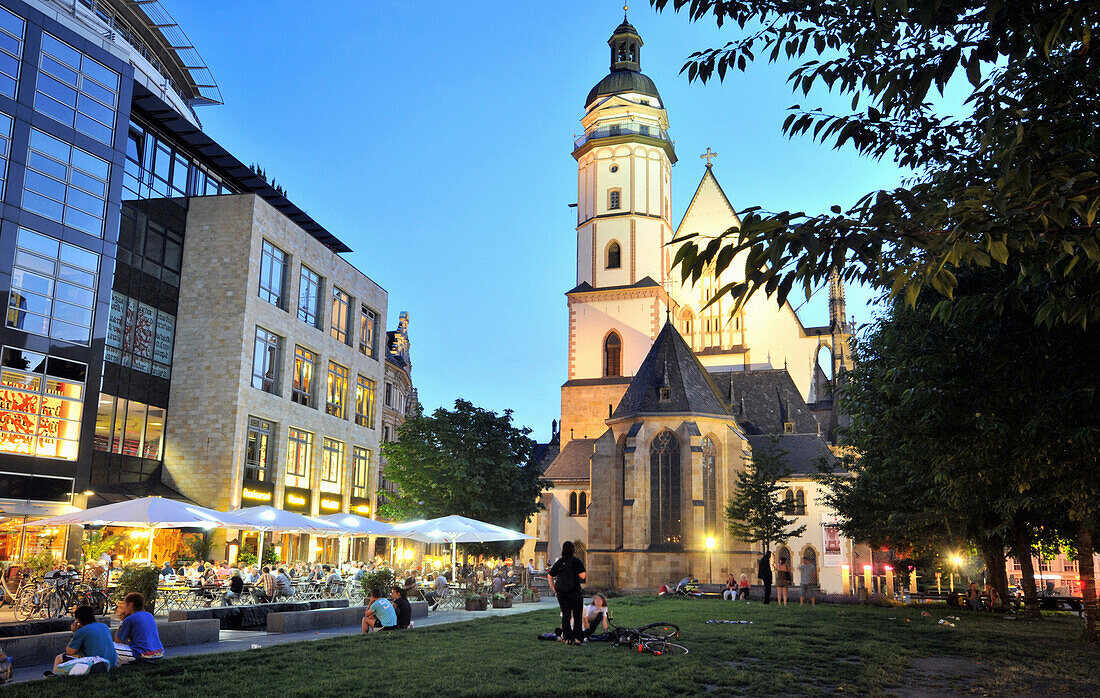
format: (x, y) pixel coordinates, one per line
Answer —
(621, 82)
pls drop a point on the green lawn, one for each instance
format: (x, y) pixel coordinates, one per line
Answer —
(788, 651)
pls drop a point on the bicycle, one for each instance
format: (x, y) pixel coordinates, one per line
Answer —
(653, 638)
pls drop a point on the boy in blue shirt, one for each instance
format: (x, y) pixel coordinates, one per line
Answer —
(380, 613)
(91, 639)
(137, 638)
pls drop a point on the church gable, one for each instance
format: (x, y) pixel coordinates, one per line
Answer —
(710, 211)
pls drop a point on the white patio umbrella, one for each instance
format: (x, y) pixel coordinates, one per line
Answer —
(151, 513)
(268, 518)
(358, 525)
(455, 529)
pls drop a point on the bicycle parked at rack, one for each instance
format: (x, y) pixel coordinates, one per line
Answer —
(56, 595)
(654, 638)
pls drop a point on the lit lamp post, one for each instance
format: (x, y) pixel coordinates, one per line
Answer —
(956, 561)
(867, 583)
(889, 581)
(709, 542)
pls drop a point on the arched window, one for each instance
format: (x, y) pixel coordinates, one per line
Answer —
(800, 502)
(572, 503)
(582, 504)
(614, 256)
(664, 499)
(788, 501)
(784, 553)
(710, 487)
(612, 355)
(614, 199)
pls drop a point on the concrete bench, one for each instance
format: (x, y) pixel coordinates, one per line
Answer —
(237, 617)
(299, 621)
(419, 609)
(41, 649)
(43, 625)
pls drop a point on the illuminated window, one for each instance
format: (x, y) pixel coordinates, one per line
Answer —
(53, 287)
(299, 456)
(360, 472)
(341, 301)
(257, 456)
(337, 402)
(309, 297)
(12, 27)
(305, 368)
(364, 402)
(41, 402)
(368, 332)
(272, 274)
(332, 462)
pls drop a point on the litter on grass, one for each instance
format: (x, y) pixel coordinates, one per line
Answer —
(732, 622)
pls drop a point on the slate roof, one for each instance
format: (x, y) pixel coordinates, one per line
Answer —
(573, 461)
(804, 451)
(585, 287)
(671, 364)
(764, 399)
(544, 454)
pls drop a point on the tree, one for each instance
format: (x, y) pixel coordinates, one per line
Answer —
(974, 427)
(1009, 182)
(96, 543)
(755, 513)
(468, 461)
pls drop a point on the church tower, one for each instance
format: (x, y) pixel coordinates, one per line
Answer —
(624, 181)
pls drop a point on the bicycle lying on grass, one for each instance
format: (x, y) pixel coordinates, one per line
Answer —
(654, 638)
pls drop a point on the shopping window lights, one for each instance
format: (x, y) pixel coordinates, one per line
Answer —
(12, 27)
(41, 402)
(76, 90)
(140, 336)
(65, 184)
(364, 402)
(53, 287)
(337, 401)
(266, 360)
(332, 464)
(305, 368)
(309, 297)
(129, 427)
(272, 274)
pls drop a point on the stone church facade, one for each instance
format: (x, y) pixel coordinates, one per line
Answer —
(665, 395)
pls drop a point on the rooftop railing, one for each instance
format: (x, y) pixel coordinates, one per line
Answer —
(622, 130)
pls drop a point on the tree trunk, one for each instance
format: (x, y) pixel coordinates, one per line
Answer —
(1023, 554)
(993, 552)
(1085, 550)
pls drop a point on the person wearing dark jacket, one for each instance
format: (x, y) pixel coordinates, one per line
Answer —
(566, 577)
(401, 606)
(764, 571)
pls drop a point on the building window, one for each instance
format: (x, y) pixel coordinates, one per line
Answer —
(337, 404)
(139, 336)
(578, 504)
(341, 301)
(5, 140)
(360, 472)
(364, 402)
(265, 361)
(272, 274)
(299, 456)
(155, 168)
(368, 330)
(76, 90)
(612, 355)
(257, 455)
(664, 479)
(309, 297)
(66, 184)
(800, 502)
(614, 256)
(305, 368)
(389, 394)
(41, 403)
(614, 199)
(12, 27)
(710, 487)
(385, 433)
(53, 287)
(332, 461)
(129, 427)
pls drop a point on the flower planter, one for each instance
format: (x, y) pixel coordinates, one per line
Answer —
(502, 604)
(478, 604)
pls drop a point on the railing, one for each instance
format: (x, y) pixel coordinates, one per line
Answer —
(622, 130)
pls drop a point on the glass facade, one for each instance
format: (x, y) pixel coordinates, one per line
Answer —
(140, 336)
(66, 184)
(5, 148)
(129, 427)
(53, 287)
(76, 90)
(41, 404)
(12, 28)
(305, 369)
(309, 297)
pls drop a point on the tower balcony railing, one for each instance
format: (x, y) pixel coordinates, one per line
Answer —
(614, 130)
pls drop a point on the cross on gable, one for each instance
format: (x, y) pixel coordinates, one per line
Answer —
(708, 156)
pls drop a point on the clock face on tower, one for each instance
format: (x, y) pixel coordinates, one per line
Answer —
(614, 168)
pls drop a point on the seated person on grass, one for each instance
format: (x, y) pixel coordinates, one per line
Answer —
(137, 639)
(594, 615)
(380, 613)
(400, 601)
(91, 640)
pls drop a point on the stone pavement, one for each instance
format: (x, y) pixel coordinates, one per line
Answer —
(238, 640)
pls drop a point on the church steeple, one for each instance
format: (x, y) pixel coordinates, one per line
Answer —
(626, 47)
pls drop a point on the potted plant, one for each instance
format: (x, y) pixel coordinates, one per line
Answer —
(502, 600)
(142, 579)
(530, 595)
(476, 602)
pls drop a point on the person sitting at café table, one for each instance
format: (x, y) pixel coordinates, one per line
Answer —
(236, 588)
(380, 614)
(167, 570)
(974, 597)
(333, 579)
(90, 639)
(439, 588)
(265, 590)
(137, 638)
(223, 570)
(400, 600)
(283, 585)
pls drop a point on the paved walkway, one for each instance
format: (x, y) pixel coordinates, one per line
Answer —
(237, 640)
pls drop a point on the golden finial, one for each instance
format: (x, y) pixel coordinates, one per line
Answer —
(625, 9)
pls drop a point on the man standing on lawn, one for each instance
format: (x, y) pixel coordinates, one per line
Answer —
(764, 572)
(808, 578)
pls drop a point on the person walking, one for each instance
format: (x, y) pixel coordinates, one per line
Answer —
(565, 578)
(764, 572)
(782, 580)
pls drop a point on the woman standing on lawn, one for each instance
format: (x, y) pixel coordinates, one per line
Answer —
(566, 577)
(782, 580)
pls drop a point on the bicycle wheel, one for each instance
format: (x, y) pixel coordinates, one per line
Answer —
(660, 631)
(54, 604)
(663, 647)
(98, 601)
(24, 603)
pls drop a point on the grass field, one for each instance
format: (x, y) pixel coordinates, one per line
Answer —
(784, 651)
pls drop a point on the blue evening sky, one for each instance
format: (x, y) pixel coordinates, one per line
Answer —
(435, 140)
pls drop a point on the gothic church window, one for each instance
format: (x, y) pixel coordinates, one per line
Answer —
(582, 504)
(614, 199)
(800, 502)
(614, 256)
(612, 355)
(664, 499)
(572, 503)
(710, 487)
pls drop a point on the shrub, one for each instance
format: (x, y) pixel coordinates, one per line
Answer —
(38, 565)
(270, 557)
(382, 578)
(246, 559)
(142, 579)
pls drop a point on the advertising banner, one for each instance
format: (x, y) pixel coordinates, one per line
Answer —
(833, 555)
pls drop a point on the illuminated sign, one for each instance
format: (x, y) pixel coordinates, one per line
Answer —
(255, 492)
(39, 416)
(297, 499)
(255, 495)
(360, 506)
(330, 505)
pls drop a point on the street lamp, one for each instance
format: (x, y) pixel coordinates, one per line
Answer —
(709, 542)
(956, 561)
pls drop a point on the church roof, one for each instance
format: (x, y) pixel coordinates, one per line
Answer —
(573, 461)
(544, 454)
(585, 287)
(804, 451)
(671, 364)
(764, 399)
(622, 81)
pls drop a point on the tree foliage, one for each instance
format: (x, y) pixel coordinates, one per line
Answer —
(755, 513)
(1010, 182)
(468, 461)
